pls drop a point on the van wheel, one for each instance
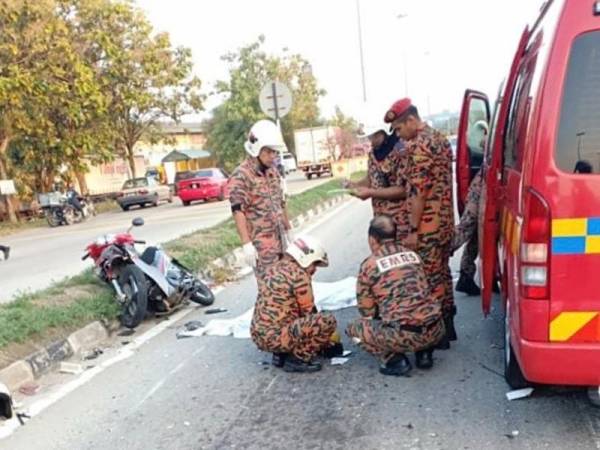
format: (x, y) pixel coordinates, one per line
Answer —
(512, 371)
(186, 203)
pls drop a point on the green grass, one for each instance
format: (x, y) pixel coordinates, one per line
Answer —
(67, 305)
(83, 298)
(7, 228)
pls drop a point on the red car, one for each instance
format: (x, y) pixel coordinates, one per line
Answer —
(204, 184)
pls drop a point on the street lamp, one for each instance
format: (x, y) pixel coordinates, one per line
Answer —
(360, 47)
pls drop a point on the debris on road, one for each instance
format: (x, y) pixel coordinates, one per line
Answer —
(215, 311)
(92, 354)
(193, 325)
(519, 393)
(29, 389)
(339, 361)
(513, 434)
(70, 368)
(126, 332)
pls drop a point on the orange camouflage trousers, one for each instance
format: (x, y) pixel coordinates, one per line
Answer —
(436, 263)
(384, 340)
(303, 337)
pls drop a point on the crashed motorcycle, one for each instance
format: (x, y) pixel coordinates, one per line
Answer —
(148, 282)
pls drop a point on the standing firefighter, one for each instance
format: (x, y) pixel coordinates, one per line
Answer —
(429, 205)
(466, 230)
(285, 320)
(394, 300)
(382, 183)
(257, 200)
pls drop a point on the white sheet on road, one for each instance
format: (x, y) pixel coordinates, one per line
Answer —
(328, 297)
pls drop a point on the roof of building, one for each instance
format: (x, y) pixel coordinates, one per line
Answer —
(185, 155)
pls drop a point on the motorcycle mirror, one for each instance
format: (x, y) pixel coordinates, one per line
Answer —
(137, 222)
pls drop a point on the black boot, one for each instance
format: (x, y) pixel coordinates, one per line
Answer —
(467, 285)
(293, 364)
(332, 351)
(449, 324)
(278, 359)
(398, 366)
(444, 343)
(424, 359)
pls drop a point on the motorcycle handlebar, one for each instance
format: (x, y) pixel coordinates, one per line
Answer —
(86, 256)
(140, 242)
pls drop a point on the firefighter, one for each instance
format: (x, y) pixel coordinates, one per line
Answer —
(285, 320)
(429, 205)
(466, 230)
(257, 199)
(382, 183)
(398, 312)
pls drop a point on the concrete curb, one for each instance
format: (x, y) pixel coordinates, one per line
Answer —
(50, 357)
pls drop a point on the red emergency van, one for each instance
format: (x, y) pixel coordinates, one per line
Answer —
(539, 224)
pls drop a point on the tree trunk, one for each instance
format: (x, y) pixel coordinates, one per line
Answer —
(131, 160)
(83, 188)
(10, 209)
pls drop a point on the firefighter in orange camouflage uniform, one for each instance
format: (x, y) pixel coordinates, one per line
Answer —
(382, 183)
(429, 205)
(285, 320)
(398, 312)
(257, 199)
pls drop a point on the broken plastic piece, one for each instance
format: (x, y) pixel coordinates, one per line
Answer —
(193, 325)
(215, 311)
(29, 389)
(339, 361)
(519, 393)
(71, 368)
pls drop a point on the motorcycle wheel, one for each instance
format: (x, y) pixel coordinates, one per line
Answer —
(202, 294)
(134, 286)
(70, 216)
(51, 218)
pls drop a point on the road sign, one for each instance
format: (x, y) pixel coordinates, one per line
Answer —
(275, 99)
(7, 187)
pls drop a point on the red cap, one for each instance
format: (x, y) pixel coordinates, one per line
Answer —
(397, 109)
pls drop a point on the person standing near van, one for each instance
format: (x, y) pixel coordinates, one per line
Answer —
(429, 206)
(257, 199)
(383, 184)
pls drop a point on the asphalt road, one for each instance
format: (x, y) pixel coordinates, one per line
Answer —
(216, 393)
(42, 255)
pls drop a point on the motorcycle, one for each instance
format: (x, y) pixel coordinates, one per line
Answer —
(59, 211)
(150, 281)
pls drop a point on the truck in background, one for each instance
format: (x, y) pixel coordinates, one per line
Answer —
(316, 150)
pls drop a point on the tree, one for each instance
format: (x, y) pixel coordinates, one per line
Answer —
(142, 76)
(44, 87)
(344, 141)
(250, 68)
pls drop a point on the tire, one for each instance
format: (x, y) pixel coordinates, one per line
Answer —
(512, 371)
(133, 284)
(52, 220)
(125, 208)
(70, 216)
(309, 176)
(186, 203)
(202, 294)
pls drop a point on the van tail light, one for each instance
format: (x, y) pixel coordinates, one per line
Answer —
(534, 257)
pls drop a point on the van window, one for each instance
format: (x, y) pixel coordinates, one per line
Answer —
(578, 145)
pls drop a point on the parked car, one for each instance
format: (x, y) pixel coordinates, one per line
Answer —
(289, 163)
(204, 184)
(539, 218)
(182, 175)
(142, 192)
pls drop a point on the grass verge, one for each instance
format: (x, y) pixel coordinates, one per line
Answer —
(42, 316)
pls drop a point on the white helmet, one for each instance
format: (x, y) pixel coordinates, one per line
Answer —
(307, 250)
(264, 133)
(369, 131)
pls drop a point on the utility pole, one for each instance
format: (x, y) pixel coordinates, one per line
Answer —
(360, 46)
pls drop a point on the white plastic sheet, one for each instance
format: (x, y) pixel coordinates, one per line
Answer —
(328, 297)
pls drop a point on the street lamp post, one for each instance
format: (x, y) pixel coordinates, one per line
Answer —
(404, 59)
(360, 46)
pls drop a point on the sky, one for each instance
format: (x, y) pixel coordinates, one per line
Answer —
(444, 46)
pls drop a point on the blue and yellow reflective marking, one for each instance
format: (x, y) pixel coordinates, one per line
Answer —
(579, 236)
